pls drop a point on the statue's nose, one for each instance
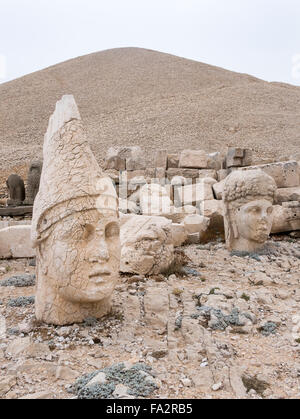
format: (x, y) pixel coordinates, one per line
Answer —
(99, 251)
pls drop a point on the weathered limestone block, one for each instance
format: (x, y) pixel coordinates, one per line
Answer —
(136, 160)
(147, 244)
(127, 206)
(160, 173)
(238, 157)
(75, 225)
(285, 174)
(33, 181)
(218, 189)
(16, 190)
(193, 159)
(173, 161)
(222, 174)
(155, 200)
(194, 194)
(161, 159)
(156, 303)
(213, 210)
(248, 209)
(179, 234)
(196, 224)
(116, 158)
(186, 173)
(15, 242)
(215, 161)
(205, 173)
(178, 214)
(287, 194)
(286, 217)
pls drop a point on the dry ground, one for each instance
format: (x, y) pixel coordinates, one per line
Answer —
(157, 321)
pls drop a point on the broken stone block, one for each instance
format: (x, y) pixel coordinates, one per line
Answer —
(196, 224)
(173, 161)
(136, 160)
(285, 174)
(155, 200)
(238, 157)
(160, 159)
(160, 173)
(286, 217)
(218, 189)
(179, 234)
(114, 160)
(214, 161)
(194, 159)
(127, 206)
(222, 174)
(186, 173)
(15, 242)
(194, 194)
(146, 244)
(287, 194)
(213, 210)
(205, 173)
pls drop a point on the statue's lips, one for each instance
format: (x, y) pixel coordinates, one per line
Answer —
(100, 274)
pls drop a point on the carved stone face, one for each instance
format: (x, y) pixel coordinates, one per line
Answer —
(254, 220)
(81, 256)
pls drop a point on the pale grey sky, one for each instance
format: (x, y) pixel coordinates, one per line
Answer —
(259, 37)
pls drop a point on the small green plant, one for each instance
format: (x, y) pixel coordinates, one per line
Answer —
(245, 297)
(212, 291)
(297, 340)
(177, 291)
(8, 268)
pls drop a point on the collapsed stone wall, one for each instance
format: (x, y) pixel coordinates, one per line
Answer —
(191, 184)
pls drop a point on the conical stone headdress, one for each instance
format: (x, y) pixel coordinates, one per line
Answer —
(71, 178)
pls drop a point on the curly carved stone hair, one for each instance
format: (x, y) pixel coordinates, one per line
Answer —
(245, 185)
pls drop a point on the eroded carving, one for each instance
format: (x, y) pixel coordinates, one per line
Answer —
(75, 225)
(248, 209)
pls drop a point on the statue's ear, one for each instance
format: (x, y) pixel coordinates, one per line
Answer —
(235, 230)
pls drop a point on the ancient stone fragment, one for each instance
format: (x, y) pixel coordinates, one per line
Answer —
(15, 242)
(147, 244)
(286, 217)
(248, 209)
(160, 159)
(285, 174)
(16, 189)
(194, 194)
(155, 200)
(194, 159)
(33, 181)
(238, 157)
(75, 226)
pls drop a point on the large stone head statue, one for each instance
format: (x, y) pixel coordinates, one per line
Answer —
(248, 206)
(75, 226)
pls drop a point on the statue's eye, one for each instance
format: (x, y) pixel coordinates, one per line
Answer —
(112, 230)
(88, 231)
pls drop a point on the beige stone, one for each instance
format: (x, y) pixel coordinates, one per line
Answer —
(248, 209)
(214, 161)
(286, 217)
(186, 173)
(147, 244)
(75, 225)
(194, 194)
(6, 384)
(218, 189)
(238, 157)
(213, 210)
(173, 161)
(193, 159)
(160, 159)
(136, 160)
(196, 224)
(155, 200)
(208, 173)
(15, 242)
(179, 234)
(287, 194)
(222, 174)
(128, 206)
(285, 174)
